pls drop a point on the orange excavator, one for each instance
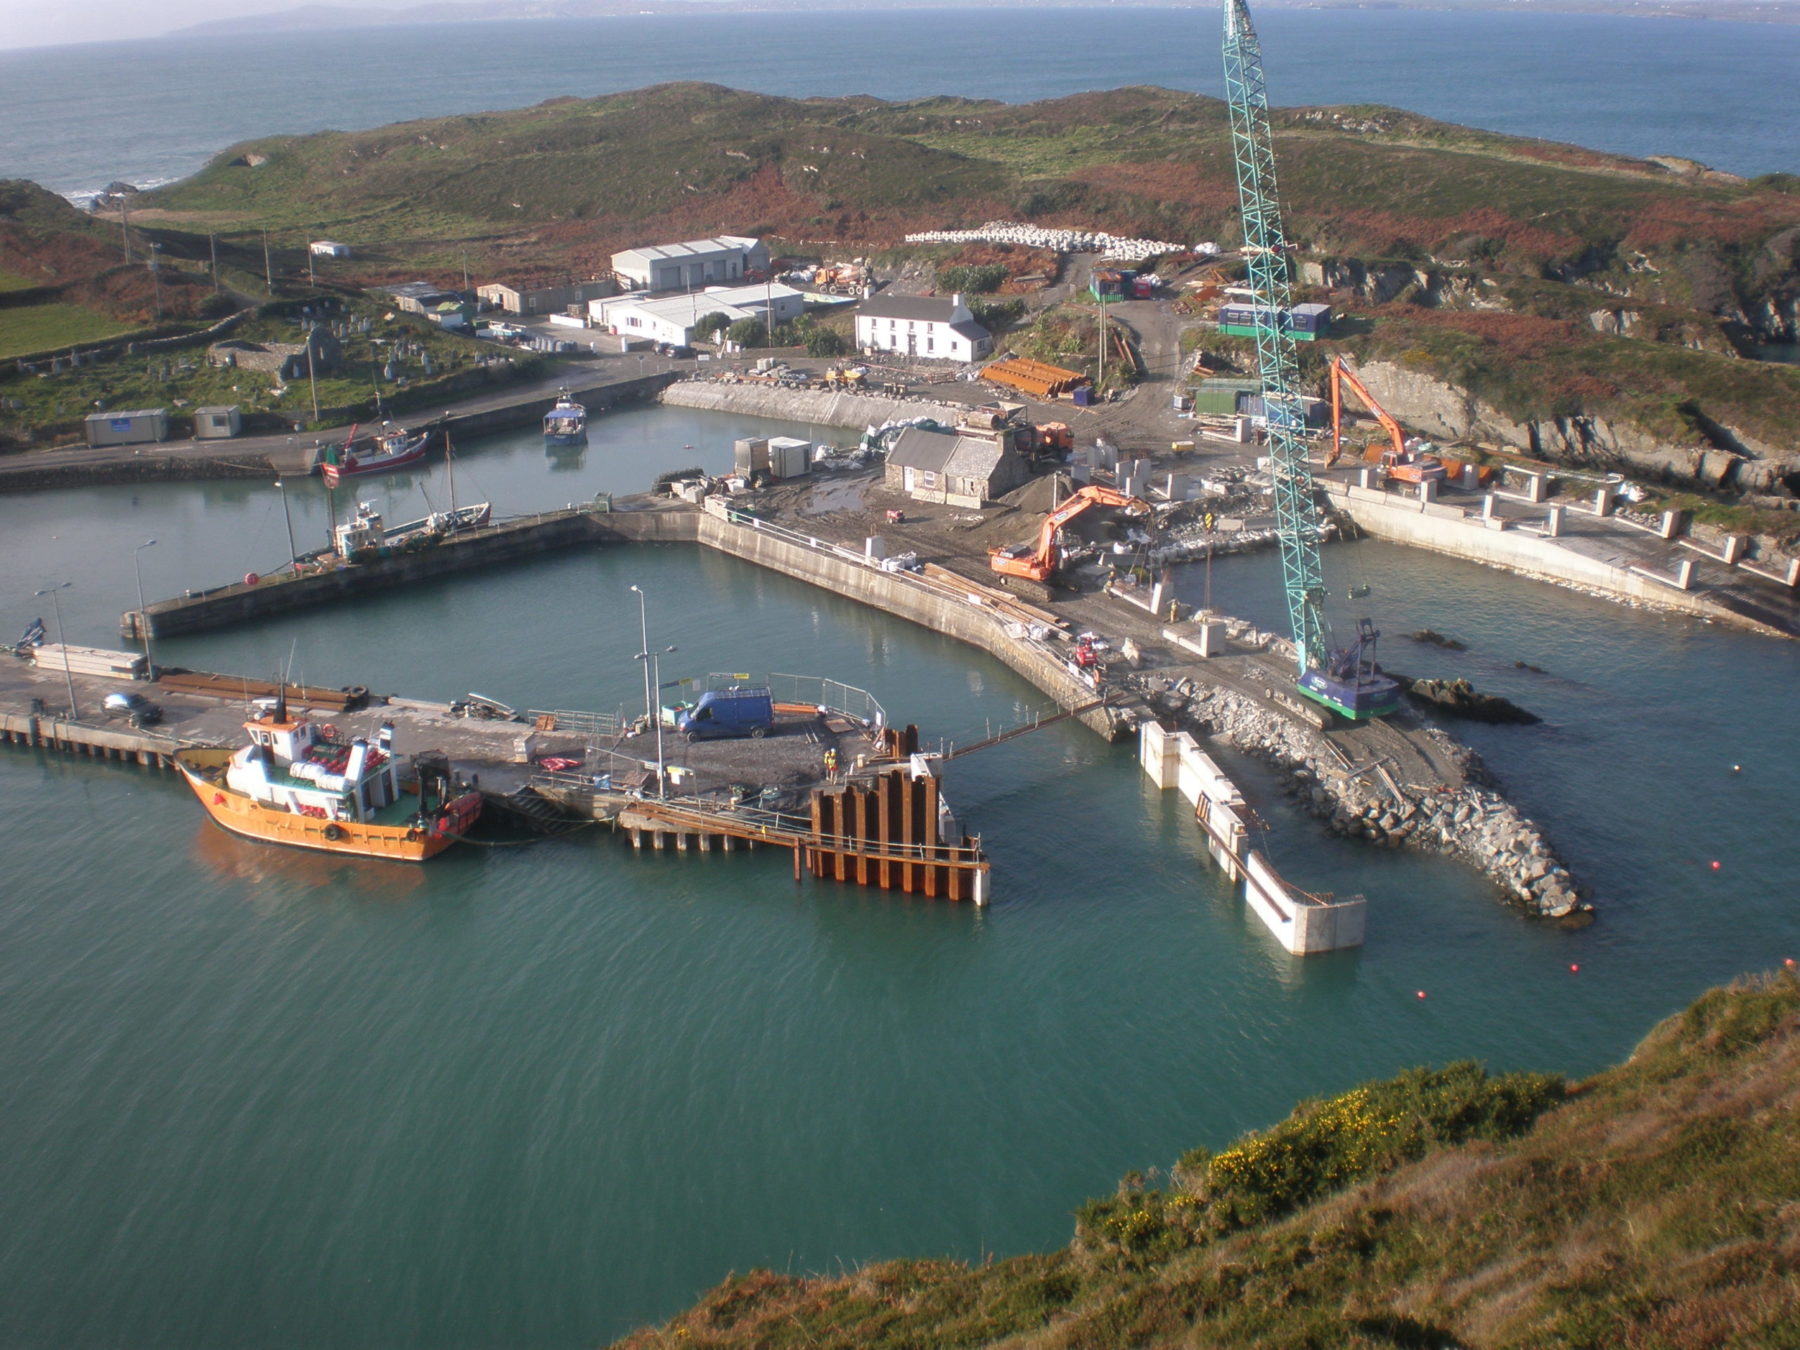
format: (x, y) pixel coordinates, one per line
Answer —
(1341, 376)
(1033, 565)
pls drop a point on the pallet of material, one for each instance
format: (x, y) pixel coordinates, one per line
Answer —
(1035, 378)
(89, 661)
(234, 687)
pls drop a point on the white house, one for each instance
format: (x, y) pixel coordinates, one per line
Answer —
(673, 318)
(937, 328)
(690, 266)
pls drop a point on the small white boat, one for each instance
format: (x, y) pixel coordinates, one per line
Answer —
(566, 422)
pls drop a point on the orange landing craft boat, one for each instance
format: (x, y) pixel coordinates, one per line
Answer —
(293, 785)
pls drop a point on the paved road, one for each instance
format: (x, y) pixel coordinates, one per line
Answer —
(293, 452)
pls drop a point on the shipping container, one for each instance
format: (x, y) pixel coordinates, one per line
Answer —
(789, 457)
(749, 454)
(214, 424)
(128, 428)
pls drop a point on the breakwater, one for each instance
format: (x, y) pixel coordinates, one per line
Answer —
(247, 600)
(1449, 529)
(823, 407)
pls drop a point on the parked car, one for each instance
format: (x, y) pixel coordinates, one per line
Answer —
(132, 706)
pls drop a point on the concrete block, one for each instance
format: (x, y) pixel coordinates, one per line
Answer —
(1554, 524)
(875, 547)
(1735, 545)
(1536, 487)
(1428, 490)
(1365, 477)
(1671, 524)
(1684, 574)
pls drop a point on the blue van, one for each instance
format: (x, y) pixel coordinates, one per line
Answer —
(739, 711)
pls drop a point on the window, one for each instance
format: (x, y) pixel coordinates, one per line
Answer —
(930, 344)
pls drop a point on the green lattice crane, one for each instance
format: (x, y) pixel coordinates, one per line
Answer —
(1348, 679)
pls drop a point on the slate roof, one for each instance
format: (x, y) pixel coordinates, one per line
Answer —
(926, 308)
(939, 452)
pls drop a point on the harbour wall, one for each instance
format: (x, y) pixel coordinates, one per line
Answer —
(822, 407)
(241, 602)
(901, 594)
(1448, 529)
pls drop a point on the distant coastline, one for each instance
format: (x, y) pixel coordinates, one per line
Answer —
(309, 18)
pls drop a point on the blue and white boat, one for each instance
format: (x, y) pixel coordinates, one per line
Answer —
(566, 422)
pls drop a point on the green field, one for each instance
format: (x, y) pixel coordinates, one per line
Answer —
(40, 328)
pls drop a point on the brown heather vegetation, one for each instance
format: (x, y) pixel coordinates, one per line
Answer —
(1657, 1207)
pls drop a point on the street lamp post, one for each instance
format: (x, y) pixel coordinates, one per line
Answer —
(56, 607)
(650, 711)
(143, 618)
(293, 550)
(653, 663)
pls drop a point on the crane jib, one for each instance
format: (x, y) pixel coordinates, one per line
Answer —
(1345, 680)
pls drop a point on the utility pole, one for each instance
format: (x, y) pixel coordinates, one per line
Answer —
(312, 376)
(156, 279)
(212, 245)
(268, 266)
(1100, 382)
(125, 225)
(312, 278)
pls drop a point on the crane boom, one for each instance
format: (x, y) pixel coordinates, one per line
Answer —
(1265, 249)
(1346, 680)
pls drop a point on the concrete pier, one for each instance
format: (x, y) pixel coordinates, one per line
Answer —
(1304, 924)
(243, 602)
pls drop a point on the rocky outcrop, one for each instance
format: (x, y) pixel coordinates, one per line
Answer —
(1459, 698)
(1473, 823)
(1438, 286)
(1443, 411)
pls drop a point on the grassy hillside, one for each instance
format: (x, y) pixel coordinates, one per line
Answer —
(566, 183)
(1654, 1205)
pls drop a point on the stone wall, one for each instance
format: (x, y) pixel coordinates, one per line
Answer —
(822, 407)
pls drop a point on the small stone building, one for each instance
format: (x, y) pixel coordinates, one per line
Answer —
(954, 469)
(286, 361)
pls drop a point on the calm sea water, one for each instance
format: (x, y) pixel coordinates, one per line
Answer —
(537, 1096)
(150, 111)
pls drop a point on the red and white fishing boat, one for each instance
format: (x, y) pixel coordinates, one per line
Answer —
(387, 450)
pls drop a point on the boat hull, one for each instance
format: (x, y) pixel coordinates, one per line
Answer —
(380, 461)
(204, 772)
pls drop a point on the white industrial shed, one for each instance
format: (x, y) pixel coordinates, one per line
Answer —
(690, 266)
(672, 319)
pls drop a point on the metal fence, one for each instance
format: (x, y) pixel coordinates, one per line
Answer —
(832, 695)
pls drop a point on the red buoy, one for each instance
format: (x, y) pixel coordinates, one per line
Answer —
(1715, 866)
(250, 579)
(1574, 969)
(1421, 993)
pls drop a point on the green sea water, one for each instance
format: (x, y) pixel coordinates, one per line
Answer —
(537, 1096)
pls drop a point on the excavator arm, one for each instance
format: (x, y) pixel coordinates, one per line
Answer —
(1341, 376)
(1041, 562)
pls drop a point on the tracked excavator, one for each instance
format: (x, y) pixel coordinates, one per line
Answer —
(1402, 464)
(1028, 568)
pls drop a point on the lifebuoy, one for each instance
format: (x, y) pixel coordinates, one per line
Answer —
(328, 730)
(333, 833)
